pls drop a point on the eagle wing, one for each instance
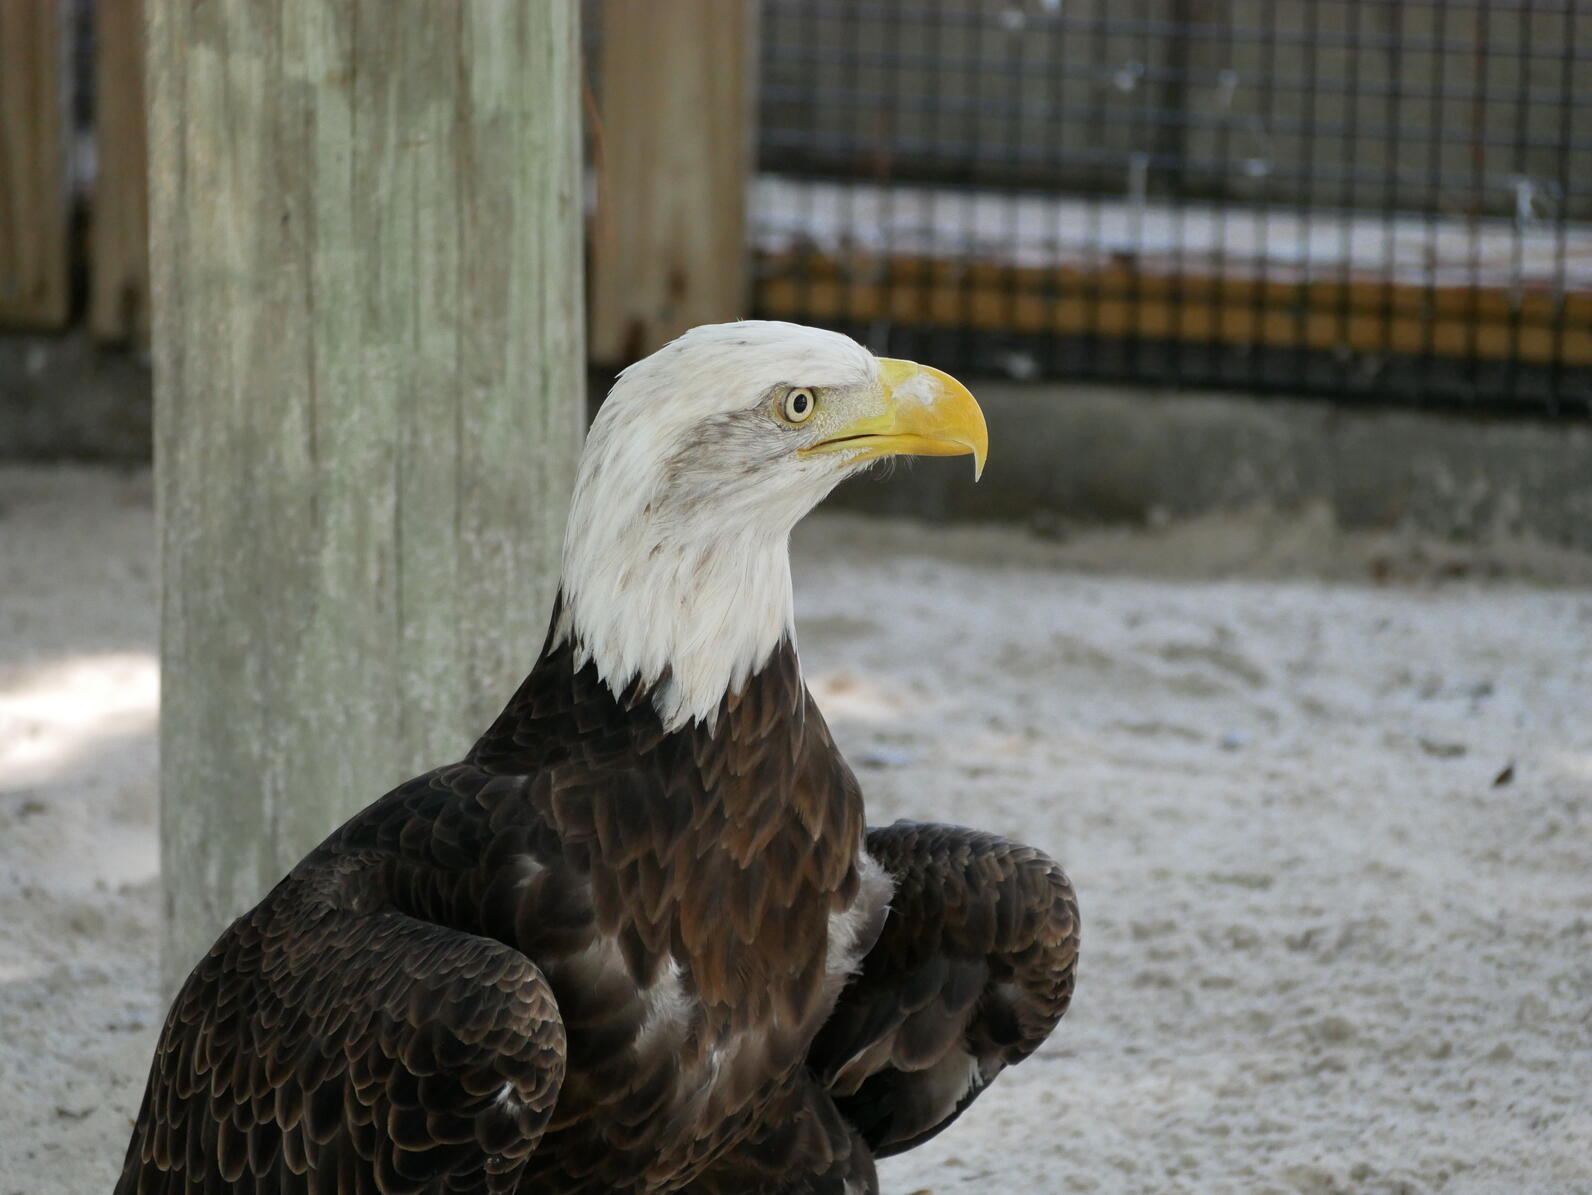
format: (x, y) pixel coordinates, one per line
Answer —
(972, 970)
(318, 1048)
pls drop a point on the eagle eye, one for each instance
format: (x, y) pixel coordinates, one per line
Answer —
(798, 405)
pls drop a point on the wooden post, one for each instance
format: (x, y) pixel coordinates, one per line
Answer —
(34, 290)
(118, 301)
(672, 155)
(367, 340)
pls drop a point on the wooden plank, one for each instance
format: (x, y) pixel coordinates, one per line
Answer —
(118, 301)
(1361, 315)
(34, 286)
(367, 341)
(672, 155)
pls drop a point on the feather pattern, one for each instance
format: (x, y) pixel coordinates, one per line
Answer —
(599, 956)
(973, 969)
(640, 939)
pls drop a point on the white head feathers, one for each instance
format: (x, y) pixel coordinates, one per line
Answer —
(676, 561)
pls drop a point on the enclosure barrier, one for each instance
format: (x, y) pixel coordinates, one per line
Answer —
(1387, 200)
(1373, 200)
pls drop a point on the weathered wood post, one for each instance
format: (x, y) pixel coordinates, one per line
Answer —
(673, 158)
(368, 349)
(118, 297)
(34, 287)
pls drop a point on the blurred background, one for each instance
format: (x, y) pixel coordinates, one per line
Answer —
(1381, 199)
(1373, 201)
(1271, 617)
(1382, 205)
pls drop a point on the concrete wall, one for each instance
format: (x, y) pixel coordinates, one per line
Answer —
(1060, 454)
(68, 398)
(1079, 454)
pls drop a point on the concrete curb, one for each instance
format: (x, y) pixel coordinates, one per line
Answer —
(1060, 454)
(1064, 454)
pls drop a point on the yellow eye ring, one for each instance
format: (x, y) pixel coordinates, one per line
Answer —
(798, 405)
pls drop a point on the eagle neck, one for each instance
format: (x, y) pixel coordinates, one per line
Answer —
(565, 704)
(690, 622)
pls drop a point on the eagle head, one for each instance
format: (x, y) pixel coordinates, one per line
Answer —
(702, 459)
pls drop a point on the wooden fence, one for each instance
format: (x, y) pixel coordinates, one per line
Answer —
(70, 195)
(74, 200)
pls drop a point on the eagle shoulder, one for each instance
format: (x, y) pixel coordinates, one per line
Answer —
(323, 1031)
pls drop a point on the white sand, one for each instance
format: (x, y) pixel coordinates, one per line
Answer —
(1323, 950)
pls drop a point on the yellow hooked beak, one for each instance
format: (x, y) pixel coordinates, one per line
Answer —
(926, 413)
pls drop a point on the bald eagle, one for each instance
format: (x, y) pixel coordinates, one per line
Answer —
(641, 938)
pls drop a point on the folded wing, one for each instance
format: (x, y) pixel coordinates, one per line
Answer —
(318, 1048)
(973, 969)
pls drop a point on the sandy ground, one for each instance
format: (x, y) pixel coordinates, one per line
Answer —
(1327, 803)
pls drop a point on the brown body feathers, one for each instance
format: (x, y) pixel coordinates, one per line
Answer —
(599, 957)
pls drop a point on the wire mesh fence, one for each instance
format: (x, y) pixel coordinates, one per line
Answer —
(1386, 200)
